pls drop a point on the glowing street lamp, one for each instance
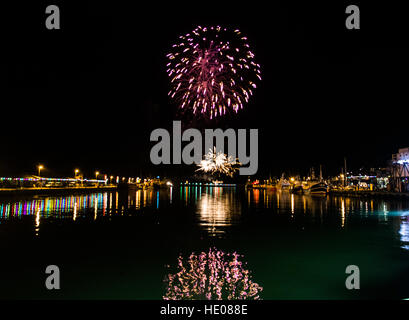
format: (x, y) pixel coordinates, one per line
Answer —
(40, 167)
(96, 174)
(76, 172)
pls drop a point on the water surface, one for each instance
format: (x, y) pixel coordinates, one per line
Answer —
(115, 245)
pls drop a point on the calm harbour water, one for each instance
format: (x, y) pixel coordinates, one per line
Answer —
(120, 245)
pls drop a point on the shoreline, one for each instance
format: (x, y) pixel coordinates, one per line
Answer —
(355, 194)
(370, 194)
(4, 192)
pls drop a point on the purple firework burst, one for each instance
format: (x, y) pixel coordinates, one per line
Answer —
(212, 71)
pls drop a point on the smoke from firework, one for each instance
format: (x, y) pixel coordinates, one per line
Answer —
(212, 71)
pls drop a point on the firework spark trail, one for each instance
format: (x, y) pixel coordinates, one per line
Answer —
(212, 71)
(218, 162)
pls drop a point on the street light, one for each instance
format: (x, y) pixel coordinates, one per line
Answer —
(76, 172)
(40, 167)
(96, 174)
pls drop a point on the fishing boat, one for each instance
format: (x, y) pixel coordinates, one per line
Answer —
(283, 184)
(316, 187)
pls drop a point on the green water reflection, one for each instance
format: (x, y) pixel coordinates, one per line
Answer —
(117, 245)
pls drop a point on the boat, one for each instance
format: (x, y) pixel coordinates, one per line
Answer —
(283, 183)
(261, 186)
(316, 187)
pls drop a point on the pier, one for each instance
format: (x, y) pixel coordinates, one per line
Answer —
(369, 194)
(35, 185)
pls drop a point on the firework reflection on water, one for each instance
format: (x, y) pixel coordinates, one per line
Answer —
(218, 210)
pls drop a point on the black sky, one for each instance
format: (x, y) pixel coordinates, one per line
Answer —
(89, 95)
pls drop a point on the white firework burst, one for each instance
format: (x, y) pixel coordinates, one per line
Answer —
(219, 162)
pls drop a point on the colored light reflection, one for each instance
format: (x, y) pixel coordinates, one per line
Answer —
(60, 207)
(218, 210)
(74, 207)
(404, 232)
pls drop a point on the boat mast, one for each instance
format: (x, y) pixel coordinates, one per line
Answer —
(320, 173)
(345, 171)
(312, 174)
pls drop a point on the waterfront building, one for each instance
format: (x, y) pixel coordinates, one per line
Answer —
(400, 170)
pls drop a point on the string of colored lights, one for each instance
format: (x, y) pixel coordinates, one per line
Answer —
(53, 179)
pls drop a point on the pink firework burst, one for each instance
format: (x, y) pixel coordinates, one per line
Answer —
(212, 71)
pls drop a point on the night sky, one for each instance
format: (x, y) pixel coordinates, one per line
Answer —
(89, 95)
